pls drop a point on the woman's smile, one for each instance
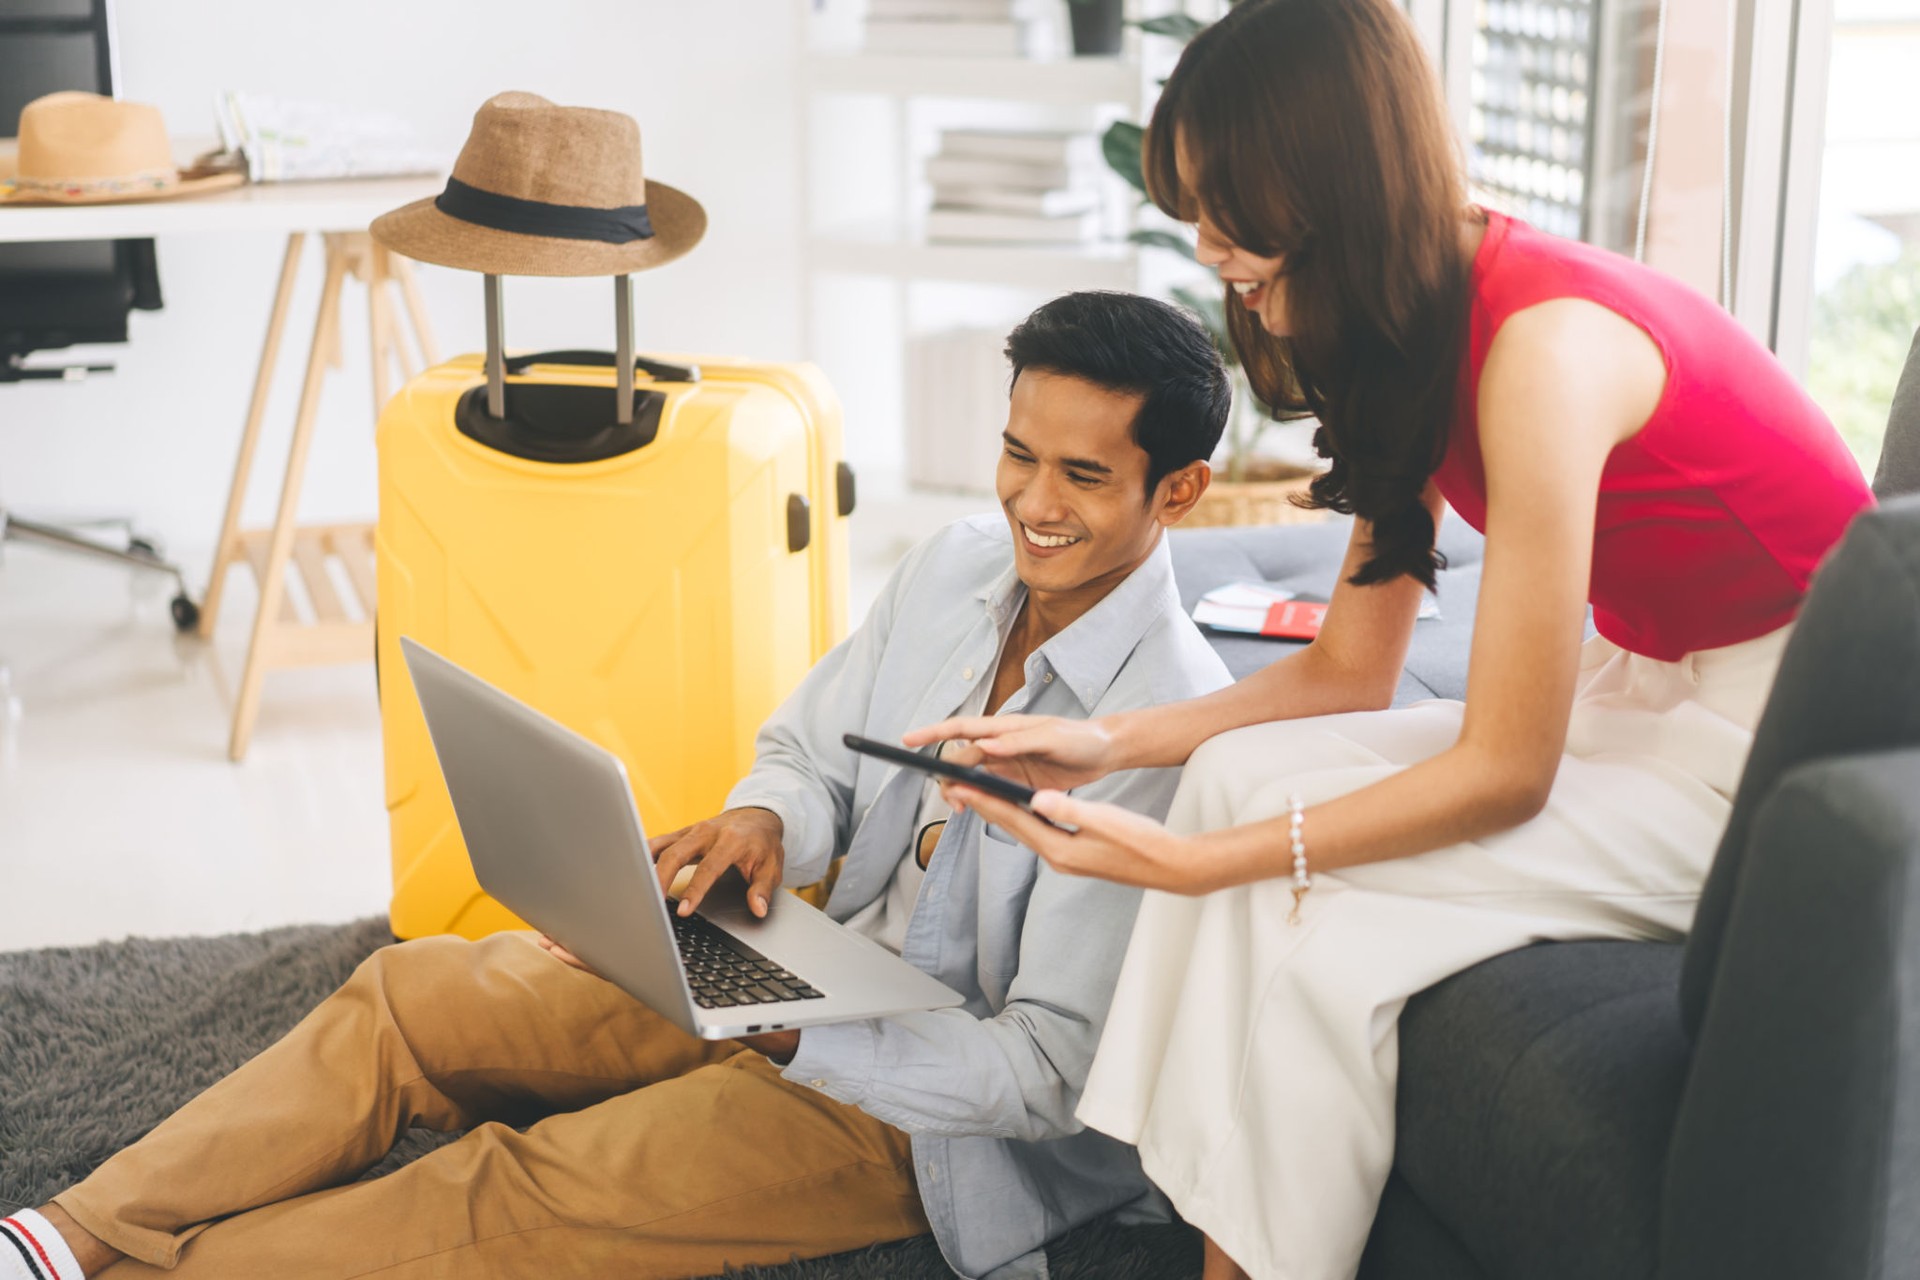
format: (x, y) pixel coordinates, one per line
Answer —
(1251, 292)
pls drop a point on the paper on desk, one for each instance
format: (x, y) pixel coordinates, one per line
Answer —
(286, 141)
(1239, 606)
(1245, 606)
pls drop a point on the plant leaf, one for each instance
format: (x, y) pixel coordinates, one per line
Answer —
(1120, 145)
(1157, 239)
(1178, 26)
(1212, 310)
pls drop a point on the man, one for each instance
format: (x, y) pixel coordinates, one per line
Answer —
(651, 1153)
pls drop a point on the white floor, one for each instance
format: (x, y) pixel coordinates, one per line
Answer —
(119, 811)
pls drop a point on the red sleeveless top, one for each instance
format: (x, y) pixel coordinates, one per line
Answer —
(1713, 517)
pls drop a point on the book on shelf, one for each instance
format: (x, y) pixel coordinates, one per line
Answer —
(975, 226)
(1019, 175)
(1030, 146)
(967, 39)
(1049, 204)
(942, 10)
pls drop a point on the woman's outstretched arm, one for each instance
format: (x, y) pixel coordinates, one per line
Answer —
(1566, 381)
(1352, 665)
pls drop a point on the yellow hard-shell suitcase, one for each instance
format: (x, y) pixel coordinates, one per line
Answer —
(661, 601)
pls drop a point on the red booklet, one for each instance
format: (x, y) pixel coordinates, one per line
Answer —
(1294, 620)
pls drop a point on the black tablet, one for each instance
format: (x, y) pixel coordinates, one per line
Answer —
(992, 784)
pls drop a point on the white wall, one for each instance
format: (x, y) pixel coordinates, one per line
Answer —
(711, 83)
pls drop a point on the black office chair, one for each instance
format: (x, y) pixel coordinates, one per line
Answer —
(58, 293)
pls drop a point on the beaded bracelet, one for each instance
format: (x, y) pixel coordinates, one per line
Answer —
(1296, 825)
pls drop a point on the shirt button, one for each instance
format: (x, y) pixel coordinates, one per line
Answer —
(966, 673)
(1047, 678)
(818, 1084)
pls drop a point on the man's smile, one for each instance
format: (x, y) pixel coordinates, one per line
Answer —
(1047, 541)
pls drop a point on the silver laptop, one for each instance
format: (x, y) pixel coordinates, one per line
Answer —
(554, 834)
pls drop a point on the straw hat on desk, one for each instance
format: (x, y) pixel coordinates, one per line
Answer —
(545, 190)
(81, 148)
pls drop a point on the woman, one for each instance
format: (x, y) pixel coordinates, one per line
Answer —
(1620, 441)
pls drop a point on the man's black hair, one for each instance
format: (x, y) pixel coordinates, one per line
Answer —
(1139, 346)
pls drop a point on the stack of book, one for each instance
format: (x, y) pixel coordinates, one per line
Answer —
(956, 406)
(1014, 187)
(981, 28)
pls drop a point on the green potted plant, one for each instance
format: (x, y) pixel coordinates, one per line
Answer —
(1253, 488)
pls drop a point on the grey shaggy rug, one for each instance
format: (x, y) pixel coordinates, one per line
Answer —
(98, 1044)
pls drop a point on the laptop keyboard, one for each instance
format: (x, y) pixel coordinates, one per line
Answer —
(724, 971)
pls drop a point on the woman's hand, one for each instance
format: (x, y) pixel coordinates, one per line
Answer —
(1042, 752)
(1110, 843)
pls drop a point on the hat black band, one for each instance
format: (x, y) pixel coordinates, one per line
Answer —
(537, 218)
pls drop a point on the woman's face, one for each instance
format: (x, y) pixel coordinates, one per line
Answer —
(1257, 282)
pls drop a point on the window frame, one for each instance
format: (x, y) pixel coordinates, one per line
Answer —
(1777, 122)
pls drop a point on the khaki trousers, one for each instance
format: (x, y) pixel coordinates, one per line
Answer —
(660, 1154)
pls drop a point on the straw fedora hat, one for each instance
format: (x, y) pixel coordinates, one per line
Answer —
(544, 190)
(81, 148)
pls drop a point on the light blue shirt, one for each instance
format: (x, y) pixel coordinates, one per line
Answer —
(986, 1090)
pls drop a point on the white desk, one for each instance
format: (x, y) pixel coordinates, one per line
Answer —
(281, 207)
(339, 212)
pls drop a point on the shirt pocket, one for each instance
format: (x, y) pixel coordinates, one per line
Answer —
(1007, 873)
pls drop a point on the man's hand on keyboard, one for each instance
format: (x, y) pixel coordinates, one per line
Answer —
(747, 839)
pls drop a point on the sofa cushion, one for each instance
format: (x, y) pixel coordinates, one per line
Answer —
(1537, 1095)
(1797, 1149)
(1306, 558)
(1849, 682)
(1409, 1243)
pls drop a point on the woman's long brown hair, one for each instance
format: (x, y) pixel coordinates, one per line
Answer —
(1316, 129)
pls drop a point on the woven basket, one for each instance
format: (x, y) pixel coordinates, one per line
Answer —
(1251, 502)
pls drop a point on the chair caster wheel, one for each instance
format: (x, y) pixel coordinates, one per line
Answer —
(186, 614)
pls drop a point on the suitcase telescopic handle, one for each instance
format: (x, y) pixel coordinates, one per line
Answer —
(658, 370)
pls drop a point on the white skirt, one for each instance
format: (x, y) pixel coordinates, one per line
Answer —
(1254, 1062)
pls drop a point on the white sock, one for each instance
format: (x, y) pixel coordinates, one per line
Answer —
(30, 1249)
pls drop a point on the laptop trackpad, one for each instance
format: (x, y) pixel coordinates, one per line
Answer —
(793, 932)
(727, 898)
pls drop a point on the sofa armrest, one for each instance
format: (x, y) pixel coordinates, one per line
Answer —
(1796, 1153)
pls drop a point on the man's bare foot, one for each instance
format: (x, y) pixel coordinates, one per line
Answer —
(93, 1254)
(1217, 1265)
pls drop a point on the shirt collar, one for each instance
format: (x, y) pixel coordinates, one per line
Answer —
(1089, 653)
(1002, 596)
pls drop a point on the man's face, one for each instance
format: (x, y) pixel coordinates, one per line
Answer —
(1073, 484)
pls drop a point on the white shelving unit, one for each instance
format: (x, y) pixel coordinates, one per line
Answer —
(870, 280)
(891, 246)
(874, 252)
(1062, 81)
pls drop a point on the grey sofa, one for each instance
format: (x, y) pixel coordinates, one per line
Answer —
(1745, 1105)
